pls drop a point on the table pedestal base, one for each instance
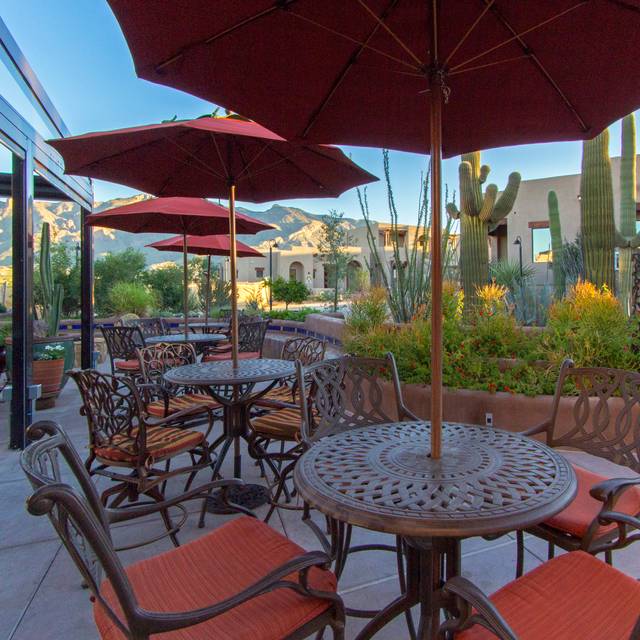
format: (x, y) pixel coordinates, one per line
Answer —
(429, 564)
(249, 496)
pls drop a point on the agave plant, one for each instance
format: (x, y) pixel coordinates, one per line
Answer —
(408, 286)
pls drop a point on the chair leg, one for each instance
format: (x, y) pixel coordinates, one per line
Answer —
(552, 551)
(519, 553)
(158, 496)
(608, 557)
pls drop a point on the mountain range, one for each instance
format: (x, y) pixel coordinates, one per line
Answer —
(293, 227)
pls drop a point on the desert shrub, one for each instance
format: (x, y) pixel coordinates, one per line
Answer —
(297, 315)
(491, 299)
(590, 326)
(167, 283)
(131, 297)
(368, 311)
(289, 291)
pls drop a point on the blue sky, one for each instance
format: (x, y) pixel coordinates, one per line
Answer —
(77, 50)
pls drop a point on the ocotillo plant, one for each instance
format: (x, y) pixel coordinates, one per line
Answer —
(478, 214)
(559, 277)
(52, 293)
(627, 210)
(599, 234)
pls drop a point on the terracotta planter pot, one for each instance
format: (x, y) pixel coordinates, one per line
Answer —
(48, 373)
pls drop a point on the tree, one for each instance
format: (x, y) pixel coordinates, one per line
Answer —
(332, 245)
(166, 282)
(289, 291)
(123, 266)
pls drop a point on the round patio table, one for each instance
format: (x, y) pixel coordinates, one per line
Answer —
(487, 482)
(191, 338)
(214, 325)
(235, 389)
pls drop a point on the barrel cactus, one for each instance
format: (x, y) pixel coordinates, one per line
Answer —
(479, 213)
(559, 277)
(52, 293)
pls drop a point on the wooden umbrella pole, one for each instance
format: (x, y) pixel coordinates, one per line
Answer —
(232, 266)
(185, 293)
(207, 295)
(436, 239)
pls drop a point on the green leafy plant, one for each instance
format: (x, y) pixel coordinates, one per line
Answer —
(50, 352)
(507, 274)
(166, 282)
(5, 332)
(131, 297)
(297, 315)
(123, 266)
(289, 291)
(333, 240)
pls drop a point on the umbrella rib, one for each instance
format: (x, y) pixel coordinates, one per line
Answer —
(222, 162)
(278, 5)
(205, 167)
(515, 35)
(345, 70)
(334, 32)
(185, 165)
(468, 32)
(477, 67)
(536, 61)
(381, 22)
(245, 166)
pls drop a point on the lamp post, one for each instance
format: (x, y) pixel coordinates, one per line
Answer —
(518, 243)
(272, 245)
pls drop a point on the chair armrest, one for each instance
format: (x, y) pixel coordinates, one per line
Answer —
(539, 428)
(130, 513)
(608, 491)
(158, 622)
(469, 597)
(407, 414)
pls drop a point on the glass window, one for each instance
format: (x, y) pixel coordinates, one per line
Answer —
(259, 272)
(541, 245)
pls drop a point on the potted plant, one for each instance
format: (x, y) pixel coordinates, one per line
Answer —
(48, 367)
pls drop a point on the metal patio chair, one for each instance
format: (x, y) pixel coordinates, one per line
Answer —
(155, 361)
(251, 336)
(127, 446)
(122, 345)
(242, 580)
(574, 596)
(149, 327)
(597, 430)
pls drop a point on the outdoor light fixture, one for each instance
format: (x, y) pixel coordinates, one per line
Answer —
(518, 243)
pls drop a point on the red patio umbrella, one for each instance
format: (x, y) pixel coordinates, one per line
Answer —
(175, 215)
(206, 246)
(422, 75)
(212, 157)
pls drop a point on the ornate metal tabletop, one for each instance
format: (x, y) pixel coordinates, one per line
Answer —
(223, 373)
(191, 338)
(487, 481)
(214, 324)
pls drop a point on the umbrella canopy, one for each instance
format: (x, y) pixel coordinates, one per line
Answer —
(175, 215)
(206, 246)
(191, 216)
(359, 71)
(203, 157)
(444, 77)
(213, 157)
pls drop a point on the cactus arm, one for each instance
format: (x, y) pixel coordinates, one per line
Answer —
(559, 278)
(467, 192)
(490, 195)
(507, 198)
(634, 242)
(628, 177)
(485, 169)
(620, 241)
(453, 211)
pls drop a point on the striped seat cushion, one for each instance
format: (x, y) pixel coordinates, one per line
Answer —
(284, 424)
(243, 355)
(179, 403)
(574, 597)
(162, 442)
(127, 365)
(277, 394)
(213, 568)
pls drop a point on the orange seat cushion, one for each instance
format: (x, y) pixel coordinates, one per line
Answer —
(162, 442)
(179, 403)
(127, 365)
(577, 517)
(284, 424)
(243, 355)
(280, 393)
(213, 568)
(573, 597)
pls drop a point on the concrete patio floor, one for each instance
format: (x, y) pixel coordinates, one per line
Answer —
(40, 592)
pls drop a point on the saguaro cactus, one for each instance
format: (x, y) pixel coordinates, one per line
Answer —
(52, 293)
(627, 210)
(559, 276)
(478, 214)
(599, 234)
